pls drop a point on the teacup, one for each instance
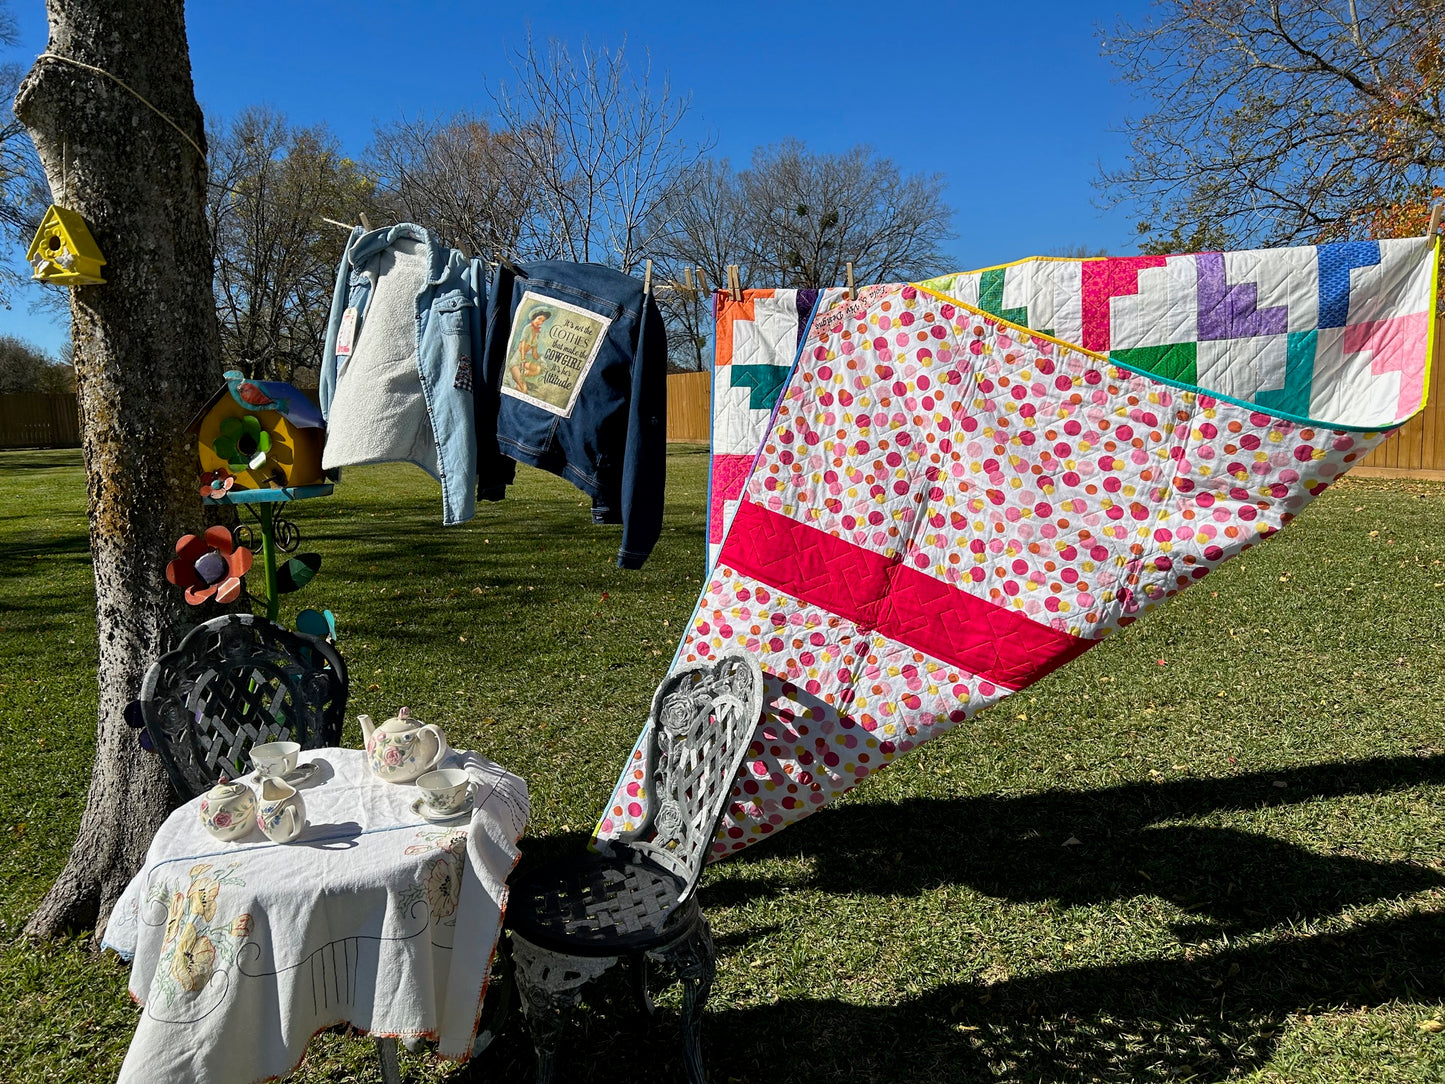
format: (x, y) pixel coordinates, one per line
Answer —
(445, 790)
(274, 759)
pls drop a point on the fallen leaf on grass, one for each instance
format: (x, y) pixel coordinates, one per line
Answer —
(1431, 1025)
(1072, 841)
(1280, 783)
(373, 687)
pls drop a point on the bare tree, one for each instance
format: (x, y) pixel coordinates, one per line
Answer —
(146, 356)
(1275, 121)
(271, 185)
(698, 223)
(22, 187)
(807, 214)
(598, 145)
(459, 179)
(24, 368)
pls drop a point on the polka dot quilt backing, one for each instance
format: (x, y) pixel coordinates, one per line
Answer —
(949, 505)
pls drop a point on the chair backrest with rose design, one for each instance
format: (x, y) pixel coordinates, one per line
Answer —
(572, 919)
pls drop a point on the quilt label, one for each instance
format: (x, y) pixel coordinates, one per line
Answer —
(550, 352)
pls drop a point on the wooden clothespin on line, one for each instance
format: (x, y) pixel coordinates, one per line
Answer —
(735, 282)
(687, 286)
(348, 226)
(851, 292)
(701, 282)
(1434, 229)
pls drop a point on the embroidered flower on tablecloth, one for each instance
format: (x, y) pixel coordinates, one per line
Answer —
(209, 564)
(243, 444)
(443, 885)
(174, 912)
(242, 925)
(202, 897)
(194, 960)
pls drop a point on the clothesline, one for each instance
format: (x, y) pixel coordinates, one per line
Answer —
(686, 286)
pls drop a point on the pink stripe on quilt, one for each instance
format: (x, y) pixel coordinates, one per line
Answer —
(883, 594)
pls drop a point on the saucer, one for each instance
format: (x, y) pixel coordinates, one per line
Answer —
(297, 776)
(425, 812)
(300, 774)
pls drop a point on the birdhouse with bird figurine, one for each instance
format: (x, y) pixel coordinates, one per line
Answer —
(63, 251)
(257, 434)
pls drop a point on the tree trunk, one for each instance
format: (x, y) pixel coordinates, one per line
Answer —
(147, 352)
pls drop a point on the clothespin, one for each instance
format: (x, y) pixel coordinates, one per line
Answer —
(851, 293)
(735, 282)
(365, 223)
(1434, 227)
(687, 283)
(510, 266)
(701, 282)
(646, 278)
(347, 226)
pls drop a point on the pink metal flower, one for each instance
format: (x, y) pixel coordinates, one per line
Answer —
(217, 483)
(208, 565)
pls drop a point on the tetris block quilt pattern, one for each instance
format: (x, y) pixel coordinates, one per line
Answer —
(755, 344)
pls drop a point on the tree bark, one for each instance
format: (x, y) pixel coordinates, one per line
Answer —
(147, 352)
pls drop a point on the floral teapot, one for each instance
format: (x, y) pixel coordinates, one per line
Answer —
(401, 749)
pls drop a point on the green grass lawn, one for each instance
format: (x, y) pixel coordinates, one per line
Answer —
(1210, 849)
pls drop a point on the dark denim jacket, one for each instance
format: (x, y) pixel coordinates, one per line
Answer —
(575, 379)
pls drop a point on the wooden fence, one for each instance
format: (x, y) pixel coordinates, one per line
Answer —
(689, 406)
(1417, 448)
(39, 421)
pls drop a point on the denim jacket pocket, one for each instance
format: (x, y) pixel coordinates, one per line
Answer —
(452, 312)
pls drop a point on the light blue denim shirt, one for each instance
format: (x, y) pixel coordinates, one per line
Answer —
(448, 335)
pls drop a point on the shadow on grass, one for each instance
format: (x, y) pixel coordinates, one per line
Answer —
(1205, 1018)
(40, 459)
(1211, 1017)
(1205, 1013)
(1088, 846)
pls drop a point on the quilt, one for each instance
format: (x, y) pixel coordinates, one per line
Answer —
(755, 343)
(949, 504)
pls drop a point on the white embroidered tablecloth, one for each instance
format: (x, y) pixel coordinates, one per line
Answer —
(372, 916)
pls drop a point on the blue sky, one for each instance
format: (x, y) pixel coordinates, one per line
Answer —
(1011, 103)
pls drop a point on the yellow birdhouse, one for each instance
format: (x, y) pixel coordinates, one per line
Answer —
(263, 433)
(63, 251)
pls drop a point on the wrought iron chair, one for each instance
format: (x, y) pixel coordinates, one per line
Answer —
(573, 919)
(234, 682)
